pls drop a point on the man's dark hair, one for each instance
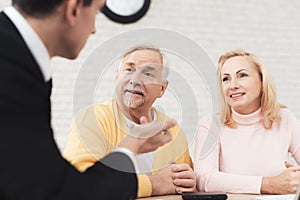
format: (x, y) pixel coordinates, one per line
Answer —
(41, 8)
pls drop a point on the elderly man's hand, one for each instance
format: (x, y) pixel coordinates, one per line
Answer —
(148, 137)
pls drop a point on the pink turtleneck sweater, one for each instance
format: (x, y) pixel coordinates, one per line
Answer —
(234, 160)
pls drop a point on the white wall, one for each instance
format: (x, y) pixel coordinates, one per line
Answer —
(270, 29)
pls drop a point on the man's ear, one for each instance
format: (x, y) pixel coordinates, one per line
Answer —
(72, 10)
(117, 75)
(163, 88)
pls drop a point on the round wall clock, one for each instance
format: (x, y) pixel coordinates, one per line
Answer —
(125, 11)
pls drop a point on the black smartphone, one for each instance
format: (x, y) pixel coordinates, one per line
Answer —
(204, 195)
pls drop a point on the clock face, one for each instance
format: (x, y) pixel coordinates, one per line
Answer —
(125, 11)
(125, 8)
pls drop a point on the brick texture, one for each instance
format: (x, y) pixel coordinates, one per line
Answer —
(269, 29)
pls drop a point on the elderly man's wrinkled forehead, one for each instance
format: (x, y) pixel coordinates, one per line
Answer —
(144, 56)
(144, 60)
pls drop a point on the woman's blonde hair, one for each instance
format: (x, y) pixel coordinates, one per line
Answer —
(270, 108)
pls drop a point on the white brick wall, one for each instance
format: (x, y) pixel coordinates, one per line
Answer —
(270, 29)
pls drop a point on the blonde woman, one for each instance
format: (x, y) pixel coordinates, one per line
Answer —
(251, 137)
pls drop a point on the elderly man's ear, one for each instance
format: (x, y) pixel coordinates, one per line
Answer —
(163, 89)
(116, 75)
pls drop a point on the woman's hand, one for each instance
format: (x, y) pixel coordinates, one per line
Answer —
(285, 183)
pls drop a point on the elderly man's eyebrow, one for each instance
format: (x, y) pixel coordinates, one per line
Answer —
(149, 68)
(129, 63)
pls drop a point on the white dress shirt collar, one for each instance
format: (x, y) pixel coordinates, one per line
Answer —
(33, 41)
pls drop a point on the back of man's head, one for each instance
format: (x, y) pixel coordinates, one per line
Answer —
(41, 8)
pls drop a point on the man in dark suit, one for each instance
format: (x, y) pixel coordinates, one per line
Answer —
(31, 167)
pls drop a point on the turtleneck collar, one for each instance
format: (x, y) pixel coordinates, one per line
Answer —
(252, 118)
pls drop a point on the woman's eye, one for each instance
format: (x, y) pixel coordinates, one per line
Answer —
(225, 79)
(242, 75)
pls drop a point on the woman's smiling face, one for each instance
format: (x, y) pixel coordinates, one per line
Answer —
(241, 84)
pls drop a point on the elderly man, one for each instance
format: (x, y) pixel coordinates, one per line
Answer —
(96, 130)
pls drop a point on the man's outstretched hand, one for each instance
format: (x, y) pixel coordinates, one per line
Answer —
(147, 137)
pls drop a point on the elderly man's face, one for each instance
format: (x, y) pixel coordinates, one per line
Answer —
(139, 79)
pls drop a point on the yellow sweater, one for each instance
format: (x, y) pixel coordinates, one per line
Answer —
(97, 130)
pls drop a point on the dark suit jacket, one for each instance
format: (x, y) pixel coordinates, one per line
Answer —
(31, 166)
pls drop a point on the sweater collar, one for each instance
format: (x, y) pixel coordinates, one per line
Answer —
(252, 118)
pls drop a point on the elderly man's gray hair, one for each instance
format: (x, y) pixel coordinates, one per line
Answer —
(165, 70)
